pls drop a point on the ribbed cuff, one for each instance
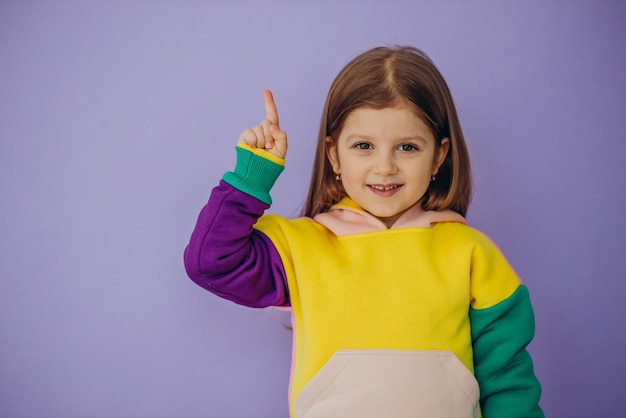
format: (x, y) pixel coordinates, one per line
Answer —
(255, 173)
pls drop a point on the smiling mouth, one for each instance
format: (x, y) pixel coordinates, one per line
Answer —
(384, 188)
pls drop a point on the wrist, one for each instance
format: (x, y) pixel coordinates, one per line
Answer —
(255, 172)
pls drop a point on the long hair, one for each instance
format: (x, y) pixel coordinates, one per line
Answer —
(384, 77)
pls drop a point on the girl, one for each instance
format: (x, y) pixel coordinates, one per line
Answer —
(399, 308)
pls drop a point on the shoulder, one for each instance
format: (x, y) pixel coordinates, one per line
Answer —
(492, 278)
(462, 234)
(295, 238)
(274, 220)
(304, 227)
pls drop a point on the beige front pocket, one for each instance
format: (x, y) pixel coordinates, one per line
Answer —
(390, 384)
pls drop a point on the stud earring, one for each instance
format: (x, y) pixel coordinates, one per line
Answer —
(432, 178)
(338, 176)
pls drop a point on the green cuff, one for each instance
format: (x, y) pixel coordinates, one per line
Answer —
(254, 174)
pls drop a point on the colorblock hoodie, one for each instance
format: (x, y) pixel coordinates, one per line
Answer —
(425, 319)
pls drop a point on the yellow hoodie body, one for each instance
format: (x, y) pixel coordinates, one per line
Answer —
(383, 314)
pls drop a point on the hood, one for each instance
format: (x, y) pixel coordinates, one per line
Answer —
(346, 217)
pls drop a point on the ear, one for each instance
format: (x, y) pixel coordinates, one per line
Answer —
(331, 153)
(440, 156)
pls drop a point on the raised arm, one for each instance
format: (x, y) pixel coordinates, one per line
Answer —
(225, 255)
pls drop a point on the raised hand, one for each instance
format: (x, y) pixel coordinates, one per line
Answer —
(267, 134)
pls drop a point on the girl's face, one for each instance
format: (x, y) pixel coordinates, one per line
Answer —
(386, 158)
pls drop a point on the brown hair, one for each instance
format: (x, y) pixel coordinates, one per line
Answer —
(384, 77)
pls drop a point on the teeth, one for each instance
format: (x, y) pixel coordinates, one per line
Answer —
(382, 188)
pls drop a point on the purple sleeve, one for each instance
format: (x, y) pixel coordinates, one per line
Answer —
(229, 258)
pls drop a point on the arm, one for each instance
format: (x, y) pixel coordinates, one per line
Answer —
(502, 324)
(503, 366)
(225, 254)
(227, 257)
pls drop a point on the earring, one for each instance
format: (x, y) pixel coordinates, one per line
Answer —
(432, 178)
(338, 176)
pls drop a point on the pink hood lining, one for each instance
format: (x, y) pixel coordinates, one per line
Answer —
(346, 218)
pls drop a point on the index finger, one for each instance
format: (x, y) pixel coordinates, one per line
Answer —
(271, 113)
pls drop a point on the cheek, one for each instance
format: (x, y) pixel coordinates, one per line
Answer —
(344, 161)
(419, 170)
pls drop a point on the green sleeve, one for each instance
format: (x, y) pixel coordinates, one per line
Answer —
(255, 173)
(502, 365)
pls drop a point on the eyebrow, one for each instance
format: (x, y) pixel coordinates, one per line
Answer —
(371, 138)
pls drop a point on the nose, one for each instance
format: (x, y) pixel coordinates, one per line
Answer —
(385, 164)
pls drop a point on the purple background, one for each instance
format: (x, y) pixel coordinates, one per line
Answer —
(116, 118)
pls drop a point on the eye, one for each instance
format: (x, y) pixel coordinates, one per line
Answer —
(408, 147)
(362, 145)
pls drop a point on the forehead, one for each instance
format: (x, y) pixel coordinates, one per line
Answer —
(385, 123)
